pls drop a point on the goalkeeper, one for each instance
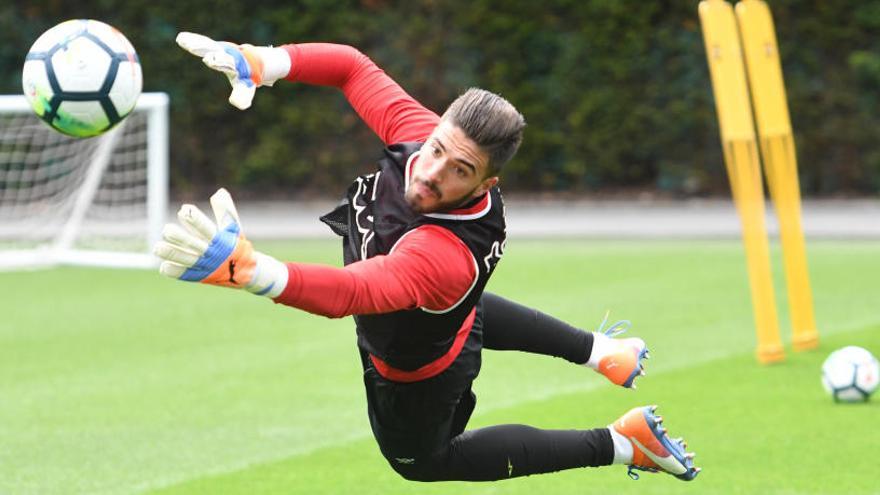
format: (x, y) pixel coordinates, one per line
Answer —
(422, 234)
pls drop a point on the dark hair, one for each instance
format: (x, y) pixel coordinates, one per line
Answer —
(491, 122)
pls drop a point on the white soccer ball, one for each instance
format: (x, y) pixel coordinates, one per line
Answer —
(82, 77)
(850, 374)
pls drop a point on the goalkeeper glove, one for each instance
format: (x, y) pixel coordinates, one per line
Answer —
(217, 253)
(246, 66)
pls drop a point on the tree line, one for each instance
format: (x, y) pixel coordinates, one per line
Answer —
(616, 93)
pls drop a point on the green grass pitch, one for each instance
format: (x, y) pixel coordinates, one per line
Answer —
(117, 382)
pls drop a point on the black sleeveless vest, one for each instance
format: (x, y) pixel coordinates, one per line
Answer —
(372, 218)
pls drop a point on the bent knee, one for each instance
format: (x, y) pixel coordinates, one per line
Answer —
(414, 470)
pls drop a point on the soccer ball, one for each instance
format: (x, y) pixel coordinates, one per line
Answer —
(82, 77)
(850, 374)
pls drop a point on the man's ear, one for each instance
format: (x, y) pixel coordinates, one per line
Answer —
(487, 184)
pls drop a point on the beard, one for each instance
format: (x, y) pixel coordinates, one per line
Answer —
(417, 204)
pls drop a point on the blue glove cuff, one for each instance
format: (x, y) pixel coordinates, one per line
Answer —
(218, 251)
(241, 64)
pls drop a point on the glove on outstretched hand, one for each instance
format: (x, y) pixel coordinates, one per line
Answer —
(246, 66)
(217, 253)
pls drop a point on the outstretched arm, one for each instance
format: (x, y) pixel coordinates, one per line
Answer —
(393, 115)
(430, 267)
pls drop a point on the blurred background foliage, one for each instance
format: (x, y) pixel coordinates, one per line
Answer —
(616, 92)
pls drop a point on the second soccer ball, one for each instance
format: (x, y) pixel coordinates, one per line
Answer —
(850, 374)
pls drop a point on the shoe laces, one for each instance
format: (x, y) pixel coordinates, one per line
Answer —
(631, 471)
(615, 329)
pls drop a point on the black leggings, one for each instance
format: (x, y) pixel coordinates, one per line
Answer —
(510, 451)
(508, 326)
(442, 450)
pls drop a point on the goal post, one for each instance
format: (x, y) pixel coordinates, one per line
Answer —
(98, 202)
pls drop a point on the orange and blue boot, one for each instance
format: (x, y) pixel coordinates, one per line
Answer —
(652, 448)
(620, 360)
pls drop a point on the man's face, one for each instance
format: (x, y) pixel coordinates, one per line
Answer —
(449, 172)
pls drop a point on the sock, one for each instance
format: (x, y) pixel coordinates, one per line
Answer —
(623, 449)
(602, 345)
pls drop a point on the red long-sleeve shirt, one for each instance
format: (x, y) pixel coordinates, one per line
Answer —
(430, 267)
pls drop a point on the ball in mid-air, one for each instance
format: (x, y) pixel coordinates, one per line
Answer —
(850, 374)
(82, 77)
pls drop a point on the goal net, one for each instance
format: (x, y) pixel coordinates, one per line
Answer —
(99, 201)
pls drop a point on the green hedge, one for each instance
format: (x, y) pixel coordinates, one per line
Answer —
(616, 92)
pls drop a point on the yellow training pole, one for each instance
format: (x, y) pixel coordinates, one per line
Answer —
(743, 165)
(780, 162)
